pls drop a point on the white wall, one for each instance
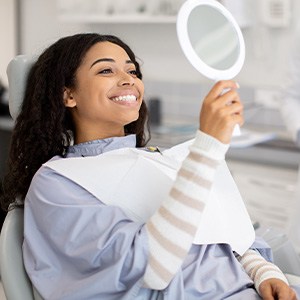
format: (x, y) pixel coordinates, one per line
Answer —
(40, 26)
(155, 44)
(8, 36)
(266, 48)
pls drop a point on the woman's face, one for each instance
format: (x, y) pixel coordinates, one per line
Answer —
(107, 95)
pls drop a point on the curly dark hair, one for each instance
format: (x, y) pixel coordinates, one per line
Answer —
(44, 127)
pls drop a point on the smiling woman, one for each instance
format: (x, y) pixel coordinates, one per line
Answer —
(108, 93)
(50, 113)
(79, 166)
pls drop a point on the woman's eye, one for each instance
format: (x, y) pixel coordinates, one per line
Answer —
(105, 71)
(133, 72)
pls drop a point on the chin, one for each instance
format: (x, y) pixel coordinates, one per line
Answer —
(131, 120)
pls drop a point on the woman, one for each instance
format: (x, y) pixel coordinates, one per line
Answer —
(87, 88)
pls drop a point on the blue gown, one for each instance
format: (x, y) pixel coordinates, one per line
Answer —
(76, 247)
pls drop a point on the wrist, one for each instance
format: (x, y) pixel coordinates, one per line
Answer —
(209, 146)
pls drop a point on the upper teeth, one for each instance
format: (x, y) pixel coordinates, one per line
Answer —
(125, 98)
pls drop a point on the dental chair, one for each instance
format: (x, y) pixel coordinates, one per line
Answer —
(16, 283)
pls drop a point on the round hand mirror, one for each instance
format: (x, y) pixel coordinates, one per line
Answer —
(211, 40)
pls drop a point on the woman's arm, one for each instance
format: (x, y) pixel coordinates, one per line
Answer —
(172, 228)
(258, 268)
(268, 279)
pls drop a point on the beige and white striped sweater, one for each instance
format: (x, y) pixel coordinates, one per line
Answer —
(172, 228)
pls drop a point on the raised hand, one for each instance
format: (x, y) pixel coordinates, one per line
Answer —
(221, 111)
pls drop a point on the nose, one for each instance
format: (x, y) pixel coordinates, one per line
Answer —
(125, 79)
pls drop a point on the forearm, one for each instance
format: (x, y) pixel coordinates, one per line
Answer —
(172, 228)
(259, 269)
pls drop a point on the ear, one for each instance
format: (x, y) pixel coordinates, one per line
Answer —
(69, 100)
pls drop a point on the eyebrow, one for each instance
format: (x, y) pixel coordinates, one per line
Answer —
(109, 60)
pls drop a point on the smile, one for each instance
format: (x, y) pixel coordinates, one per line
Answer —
(126, 98)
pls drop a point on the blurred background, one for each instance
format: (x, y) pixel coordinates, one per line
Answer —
(264, 160)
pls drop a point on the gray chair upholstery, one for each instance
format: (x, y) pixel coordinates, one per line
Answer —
(17, 72)
(15, 281)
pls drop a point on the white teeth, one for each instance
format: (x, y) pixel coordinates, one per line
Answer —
(125, 98)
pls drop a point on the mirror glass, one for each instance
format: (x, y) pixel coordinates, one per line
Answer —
(210, 38)
(213, 38)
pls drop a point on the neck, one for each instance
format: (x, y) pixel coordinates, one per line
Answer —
(82, 136)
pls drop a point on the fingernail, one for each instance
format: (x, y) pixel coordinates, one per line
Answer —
(237, 85)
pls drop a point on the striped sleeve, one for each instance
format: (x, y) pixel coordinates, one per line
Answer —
(172, 228)
(259, 269)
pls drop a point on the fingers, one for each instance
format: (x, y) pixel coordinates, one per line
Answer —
(286, 294)
(271, 289)
(221, 111)
(292, 295)
(219, 100)
(266, 292)
(234, 112)
(220, 86)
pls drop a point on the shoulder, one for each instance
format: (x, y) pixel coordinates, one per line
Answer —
(46, 175)
(49, 186)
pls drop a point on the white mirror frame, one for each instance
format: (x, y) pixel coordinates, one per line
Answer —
(188, 50)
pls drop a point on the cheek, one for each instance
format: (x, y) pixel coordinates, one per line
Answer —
(92, 94)
(141, 88)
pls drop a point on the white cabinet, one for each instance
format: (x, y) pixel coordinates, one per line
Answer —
(129, 19)
(268, 192)
(118, 11)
